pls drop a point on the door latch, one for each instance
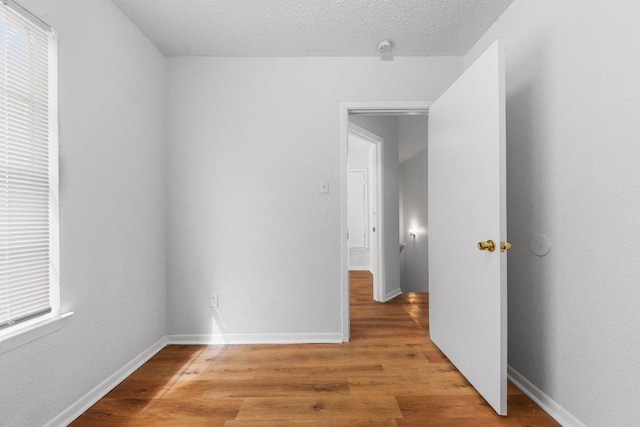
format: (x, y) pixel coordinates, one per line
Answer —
(505, 246)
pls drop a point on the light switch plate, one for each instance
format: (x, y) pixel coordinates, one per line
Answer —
(324, 186)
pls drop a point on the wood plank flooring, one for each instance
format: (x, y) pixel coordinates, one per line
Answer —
(390, 374)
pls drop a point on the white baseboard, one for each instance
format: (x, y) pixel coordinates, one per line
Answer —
(359, 268)
(549, 405)
(76, 409)
(205, 339)
(391, 295)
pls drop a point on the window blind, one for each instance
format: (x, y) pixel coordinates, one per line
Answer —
(25, 155)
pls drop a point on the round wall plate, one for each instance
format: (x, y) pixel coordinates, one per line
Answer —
(539, 244)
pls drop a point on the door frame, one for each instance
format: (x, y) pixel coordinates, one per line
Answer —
(374, 243)
(395, 108)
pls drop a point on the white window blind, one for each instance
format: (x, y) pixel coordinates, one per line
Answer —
(26, 156)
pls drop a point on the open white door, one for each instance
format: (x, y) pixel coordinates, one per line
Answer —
(467, 205)
(358, 210)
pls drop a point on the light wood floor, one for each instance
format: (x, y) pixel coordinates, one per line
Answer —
(390, 374)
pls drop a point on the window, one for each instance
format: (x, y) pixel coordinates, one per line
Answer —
(28, 168)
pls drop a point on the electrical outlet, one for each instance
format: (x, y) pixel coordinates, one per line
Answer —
(213, 299)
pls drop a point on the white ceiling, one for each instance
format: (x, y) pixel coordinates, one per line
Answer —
(312, 27)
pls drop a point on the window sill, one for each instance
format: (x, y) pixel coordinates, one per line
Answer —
(33, 331)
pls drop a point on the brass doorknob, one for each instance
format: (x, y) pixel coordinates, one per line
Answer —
(505, 246)
(489, 245)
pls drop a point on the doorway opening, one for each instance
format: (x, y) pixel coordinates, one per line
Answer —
(383, 288)
(364, 205)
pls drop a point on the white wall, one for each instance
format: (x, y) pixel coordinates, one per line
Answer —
(573, 103)
(412, 140)
(112, 212)
(250, 140)
(415, 256)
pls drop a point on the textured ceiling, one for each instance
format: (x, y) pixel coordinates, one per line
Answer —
(312, 27)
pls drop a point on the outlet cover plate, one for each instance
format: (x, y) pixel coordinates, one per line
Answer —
(213, 300)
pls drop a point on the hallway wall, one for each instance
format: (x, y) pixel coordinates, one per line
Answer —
(415, 256)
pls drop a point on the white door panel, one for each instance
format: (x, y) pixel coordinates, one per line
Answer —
(467, 204)
(357, 209)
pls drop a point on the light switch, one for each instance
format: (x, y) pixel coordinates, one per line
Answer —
(324, 186)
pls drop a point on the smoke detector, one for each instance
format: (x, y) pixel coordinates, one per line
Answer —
(384, 47)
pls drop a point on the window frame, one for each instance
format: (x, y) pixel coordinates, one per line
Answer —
(40, 325)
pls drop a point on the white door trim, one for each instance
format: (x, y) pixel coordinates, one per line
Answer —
(369, 107)
(377, 267)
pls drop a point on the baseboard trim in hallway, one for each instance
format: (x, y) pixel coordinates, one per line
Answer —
(298, 338)
(391, 295)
